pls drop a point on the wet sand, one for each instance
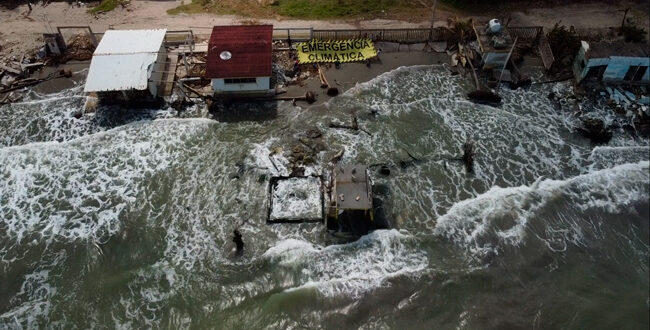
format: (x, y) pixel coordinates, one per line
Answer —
(79, 71)
(344, 78)
(350, 74)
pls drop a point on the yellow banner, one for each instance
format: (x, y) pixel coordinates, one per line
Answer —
(314, 51)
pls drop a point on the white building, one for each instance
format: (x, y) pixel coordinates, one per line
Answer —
(239, 59)
(127, 64)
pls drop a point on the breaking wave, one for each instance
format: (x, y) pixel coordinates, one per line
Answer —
(350, 269)
(501, 216)
(80, 189)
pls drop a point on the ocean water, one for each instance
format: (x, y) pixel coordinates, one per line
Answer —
(124, 218)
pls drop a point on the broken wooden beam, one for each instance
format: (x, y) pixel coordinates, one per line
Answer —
(10, 69)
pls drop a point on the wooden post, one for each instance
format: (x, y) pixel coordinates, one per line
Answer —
(505, 65)
(433, 12)
(433, 15)
(624, 16)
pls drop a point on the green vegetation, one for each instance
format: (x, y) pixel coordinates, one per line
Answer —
(564, 44)
(563, 41)
(332, 8)
(107, 5)
(632, 32)
(309, 9)
(203, 6)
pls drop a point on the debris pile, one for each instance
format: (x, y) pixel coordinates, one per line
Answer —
(596, 130)
(80, 48)
(460, 31)
(303, 154)
(197, 64)
(15, 72)
(633, 102)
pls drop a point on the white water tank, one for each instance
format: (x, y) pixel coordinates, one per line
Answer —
(494, 26)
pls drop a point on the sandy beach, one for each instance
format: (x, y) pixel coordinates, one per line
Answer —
(21, 32)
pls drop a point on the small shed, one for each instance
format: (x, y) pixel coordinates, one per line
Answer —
(612, 62)
(239, 59)
(127, 64)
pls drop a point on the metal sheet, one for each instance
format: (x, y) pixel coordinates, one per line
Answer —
(352, 188)
(124, 60)
(119, 72)
(130, 42)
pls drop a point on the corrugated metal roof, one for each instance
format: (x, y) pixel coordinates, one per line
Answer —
(119, 72)
(123, 59)
(250, 48)
(130, 41)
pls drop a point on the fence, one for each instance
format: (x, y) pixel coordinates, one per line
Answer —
(404, 36)
(545, 52)
(179, 37)
(295, 34)
(535, 36)
(525, 33)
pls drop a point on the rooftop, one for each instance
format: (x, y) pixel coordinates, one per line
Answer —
(240, 51)
(617, 48)
(123, 60)
(130, 42)
(352, 187)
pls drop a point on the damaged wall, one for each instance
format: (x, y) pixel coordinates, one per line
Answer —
(616, 67)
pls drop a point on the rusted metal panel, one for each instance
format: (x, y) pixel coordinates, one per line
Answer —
(240, 51)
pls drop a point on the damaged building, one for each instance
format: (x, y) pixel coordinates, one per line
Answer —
(616, 62)
(127, 65)
(350, 208)
(494, 42)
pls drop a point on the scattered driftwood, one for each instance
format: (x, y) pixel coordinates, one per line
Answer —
(310, 97)
(507, 59)
(481, 95)
(206, 98)
(467, 159)
(18, 84)
(331, 91)
(412, 157)
(338, 156)
(522, 80)
(10, 69)
(355, 126)
(273, 163)
(7, 99)
(31, 65)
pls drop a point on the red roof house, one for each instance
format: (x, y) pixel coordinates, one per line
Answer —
(242, 51)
